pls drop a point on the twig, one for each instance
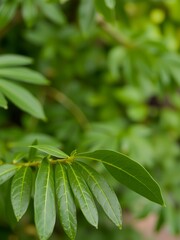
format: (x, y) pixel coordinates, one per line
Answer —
(70, 105)
(112, 32)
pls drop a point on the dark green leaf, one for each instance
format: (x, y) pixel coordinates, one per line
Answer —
(53, 151)
(103, 193)
(6, 172)
(22, 98)
(3, 102)
(83, 195)
(21, 191)
(24, 75)
(128, 172)
(44, 201)
(9, 60)
(65, 201)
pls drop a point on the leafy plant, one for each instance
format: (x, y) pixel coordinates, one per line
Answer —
(66, 178)
(11, 69)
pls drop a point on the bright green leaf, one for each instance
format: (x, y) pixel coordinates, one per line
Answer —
(110, 3)
(8, 60)
(3, 102)
(21, 191)
(65, 201)
(53, 151)
(24, 75)
(6, 172)
(83, 195)
(44, 201)
(128, 172)
(102, 192)
(22, 98)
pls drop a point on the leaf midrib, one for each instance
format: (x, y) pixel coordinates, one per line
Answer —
(99, 160)
(91, 175)
(82, 192)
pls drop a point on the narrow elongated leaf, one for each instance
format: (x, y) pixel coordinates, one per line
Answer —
(3, 102)
(9, 60)
(21, 191)
(44, 201)
(6, 172)
(103, 193)
(53, 151)
(128, 172)
(110, 3)
(22, 98)
(65, 201)
(24, 75)
(83, 195)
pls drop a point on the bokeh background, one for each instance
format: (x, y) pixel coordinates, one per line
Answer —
(114, 84)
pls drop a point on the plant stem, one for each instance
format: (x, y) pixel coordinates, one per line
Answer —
(112, 32)
(70, 105)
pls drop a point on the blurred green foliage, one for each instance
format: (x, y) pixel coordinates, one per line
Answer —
(114, 68)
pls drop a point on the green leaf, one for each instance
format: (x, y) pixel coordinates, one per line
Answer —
(8, 60)
(44, 201)
(53, 151)
(22, 98)
(103, 193)
(128, 172)
(6, 172)
(65, 201)
(29, 12)
(83, 195)
(3, 102)
(110, 3)
(24, 75)
(86, 14)
(53, 12)
(21, 191)
(7, 12)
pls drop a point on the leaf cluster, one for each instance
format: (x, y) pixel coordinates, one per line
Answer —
(67, 181)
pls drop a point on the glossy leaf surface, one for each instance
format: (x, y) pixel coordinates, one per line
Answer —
(21, 191)
(8, 60)
(103, 193)
(53, 151)
(44, 201)
(128, 172)
(6, 172)
(65, 201)
(83, 195)
(22, 98)
(24, 75)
